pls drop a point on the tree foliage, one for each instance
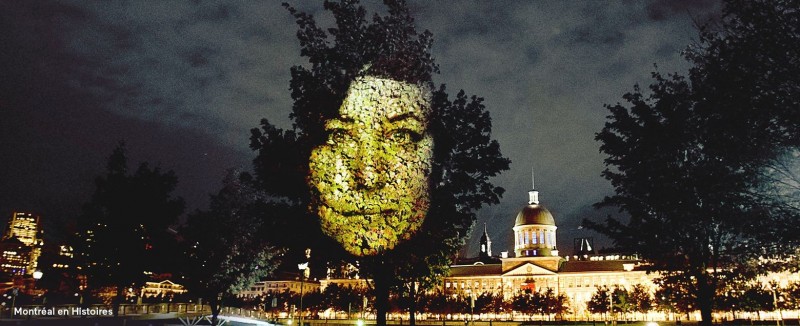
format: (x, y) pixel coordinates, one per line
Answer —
(600, 302)
(675, 294)
(465, 156)
(487, 303)
(124, 226)
(544, 303)
(639, 296)
(226, 251)
(343, 298)
(690, 162)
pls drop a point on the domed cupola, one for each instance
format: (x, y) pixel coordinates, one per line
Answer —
(534, 214)
(535, 230)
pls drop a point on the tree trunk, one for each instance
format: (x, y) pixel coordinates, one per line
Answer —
(216, 306)
(118, 299)
(705, 299)
(381, 297)
(412, 308)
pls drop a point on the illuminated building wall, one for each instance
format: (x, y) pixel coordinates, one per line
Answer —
(22, 244)
(14, 257)
(24, 226)
(279, 286)
(163, 288)
(538, 267)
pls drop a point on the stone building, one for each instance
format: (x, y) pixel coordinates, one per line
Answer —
(537, 266)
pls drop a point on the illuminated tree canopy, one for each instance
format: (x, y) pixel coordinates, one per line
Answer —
(225, 252)
(432, 157)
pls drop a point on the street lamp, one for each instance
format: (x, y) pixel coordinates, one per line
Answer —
(304, 273)
(37, 275)
(610, 304)
(472, 307)
(14, 292)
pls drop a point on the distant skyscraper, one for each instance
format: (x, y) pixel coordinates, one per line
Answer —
(25, 227)
(22, 244)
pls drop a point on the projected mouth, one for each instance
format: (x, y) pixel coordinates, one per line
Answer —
(368, 212)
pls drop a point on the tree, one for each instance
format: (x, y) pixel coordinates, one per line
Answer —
(464, 155)
(621, 301)
(523, 303)
(607, 300)
(600, 302)
(791, 296)
(746, 79)
(674, 295)
(639, 296)
(554, 304)
(343, 298)
(487, 303)
(226, 251)
(443, 304)
(124, 226)
(756, 298)
(691, 161)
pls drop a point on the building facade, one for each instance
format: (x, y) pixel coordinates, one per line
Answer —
(21, 245)
(264, 288)
(537, 266)
(163, 288)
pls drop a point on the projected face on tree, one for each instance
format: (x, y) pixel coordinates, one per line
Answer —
(370, 179)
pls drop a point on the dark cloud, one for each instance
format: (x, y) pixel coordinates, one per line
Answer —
(55, 132)
(183, 82)
(660, 10)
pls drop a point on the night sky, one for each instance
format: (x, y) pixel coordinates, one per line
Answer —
(183, 82)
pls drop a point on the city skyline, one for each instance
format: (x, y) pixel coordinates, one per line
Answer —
(182, 85)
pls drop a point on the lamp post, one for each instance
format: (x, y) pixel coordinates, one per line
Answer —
(610, 304)
(304, 273)
(37, 275)
(14, 292)
(472, 308)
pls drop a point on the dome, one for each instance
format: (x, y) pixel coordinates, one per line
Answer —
(534, 214)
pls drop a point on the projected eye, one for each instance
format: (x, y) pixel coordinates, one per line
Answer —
(404, 136)
(337, 136)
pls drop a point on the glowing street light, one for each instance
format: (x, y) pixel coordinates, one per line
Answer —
(304, 273)
(37, 275)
